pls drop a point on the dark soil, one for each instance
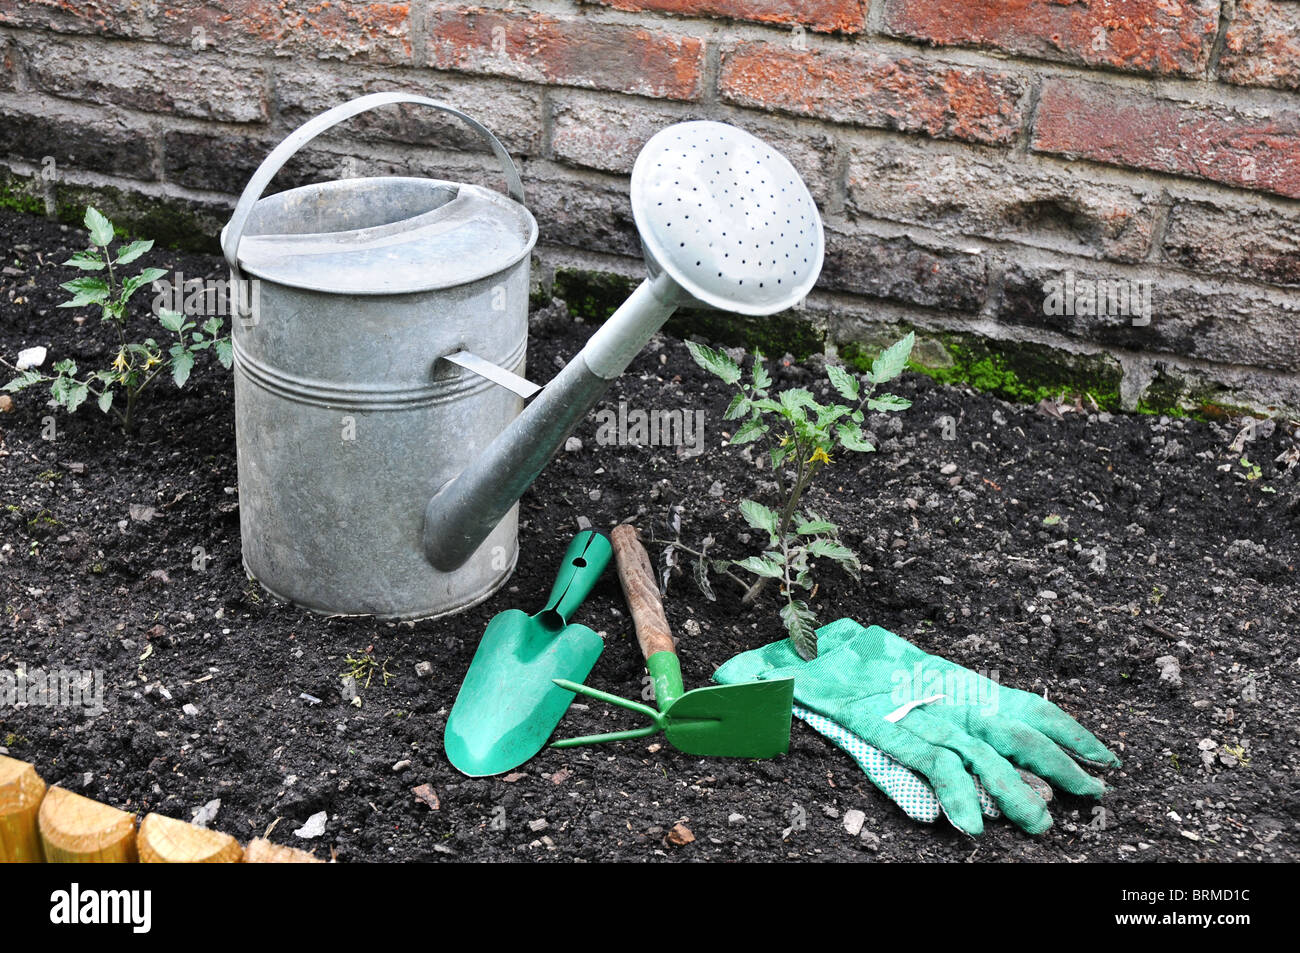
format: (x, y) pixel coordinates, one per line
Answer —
(983, 548)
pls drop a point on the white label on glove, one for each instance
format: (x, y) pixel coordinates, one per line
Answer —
(898, 713)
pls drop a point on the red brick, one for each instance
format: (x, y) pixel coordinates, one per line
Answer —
(876, 89)
(1151, 36)
(99, 17)
(325, 29)
(566, 51)
(825, 16)
(1087, 121)
(1262, 45)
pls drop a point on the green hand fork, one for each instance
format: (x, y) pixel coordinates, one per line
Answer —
(737, 721)
(509, 702)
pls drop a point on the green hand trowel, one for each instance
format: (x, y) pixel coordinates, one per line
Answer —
(509, 702)
(747, 720)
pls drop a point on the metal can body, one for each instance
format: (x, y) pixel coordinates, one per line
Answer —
(347, 424)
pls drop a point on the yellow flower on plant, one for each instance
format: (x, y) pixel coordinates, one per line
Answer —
(119, 362)
(819, 456)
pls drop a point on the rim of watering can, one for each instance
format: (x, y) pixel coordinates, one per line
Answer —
(756, 247)
(289, 278)
(234, 231)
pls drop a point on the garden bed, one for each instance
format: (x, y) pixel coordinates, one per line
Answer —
(983, 548)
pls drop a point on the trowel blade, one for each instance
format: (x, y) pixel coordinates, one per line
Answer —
(508, 705)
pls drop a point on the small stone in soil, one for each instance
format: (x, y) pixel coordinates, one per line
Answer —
(423, 669)
(314, 827)
(538, 825)
(572, 445)
(402, 765)
(191, 709)
(853, 821)
(206, 814)
(679, 836)
(427, 795)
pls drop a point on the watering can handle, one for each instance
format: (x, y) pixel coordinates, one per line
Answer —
(309, 130)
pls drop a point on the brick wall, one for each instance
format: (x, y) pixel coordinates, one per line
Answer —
(967, 154)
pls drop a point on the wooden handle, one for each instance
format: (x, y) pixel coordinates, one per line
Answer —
(637, 576)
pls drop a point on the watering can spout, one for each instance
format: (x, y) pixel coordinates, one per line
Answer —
(463, 513)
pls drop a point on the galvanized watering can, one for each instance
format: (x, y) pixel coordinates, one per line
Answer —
(382, 433)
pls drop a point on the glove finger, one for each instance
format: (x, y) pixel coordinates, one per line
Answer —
(943, 769)
(1066, 732)
(1034, 751)
(1017, 800)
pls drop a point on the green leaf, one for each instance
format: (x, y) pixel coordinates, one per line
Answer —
(813, 525)
(225, 353)
(779, 453)
(136, 282)
(182, 364)
(750, 431)
(65, 367)
(889, 402)
(105, 400)
(212, 327)
(738, 407)
(762, 566)
(797, 397)
(830, 549)
(85, 291)
(759, 516)
(715, 362)
(759, 375)
(171, 320)
(23, 380)
(851, 438)
(101, 229)
(801, 624)
(892, 360)
(129, 253)
(844, 382)
(86, 261)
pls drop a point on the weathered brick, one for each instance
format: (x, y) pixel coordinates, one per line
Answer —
(608, 135)
(213, 161)
(11, 64)
(567, 51)
(1262, 45)
(324, 29)
(898, 269)
(581, 211)
(1189, 319)
(127, 18)
(1000, 198)
(876, 89)
(825, 16)
(1151, 36)
(1246, 240)
(147, 79)
(513, 113)
(1253, 150)
(94, 142)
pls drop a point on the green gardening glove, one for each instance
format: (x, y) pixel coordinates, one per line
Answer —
(943, 721)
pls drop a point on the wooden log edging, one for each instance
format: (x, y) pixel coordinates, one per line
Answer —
(54, 825)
